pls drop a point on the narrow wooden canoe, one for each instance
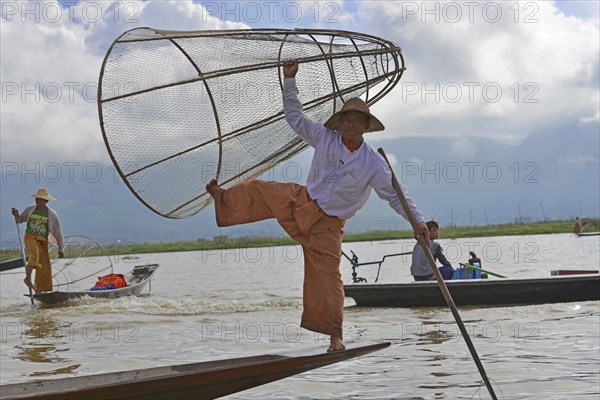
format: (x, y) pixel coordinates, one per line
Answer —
(574, 272)
(136, 279)
(14, 263)
(205, 380)
(480, 292)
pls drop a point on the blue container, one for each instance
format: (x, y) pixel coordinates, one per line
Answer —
(459, 273)
(476, 273)
(466, 273)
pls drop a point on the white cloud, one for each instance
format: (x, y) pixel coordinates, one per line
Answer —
(466, 77)
(578, 160)
(464, 148)
(415, 160)
(51, 59)
(579, 8)
(45, 68)
(479, 75)
(591, 119)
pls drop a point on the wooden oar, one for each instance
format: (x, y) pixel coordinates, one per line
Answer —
(482, 270)
(24, 260)
(425, 246)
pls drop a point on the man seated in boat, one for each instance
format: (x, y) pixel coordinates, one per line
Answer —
(420, 268)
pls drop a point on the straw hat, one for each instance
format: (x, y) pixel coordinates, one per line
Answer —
(358, 105)
(42, 193)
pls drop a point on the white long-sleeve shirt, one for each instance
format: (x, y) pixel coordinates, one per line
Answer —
(340, 181)
(53, 224)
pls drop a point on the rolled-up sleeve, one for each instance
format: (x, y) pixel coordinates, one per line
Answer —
(24, 217)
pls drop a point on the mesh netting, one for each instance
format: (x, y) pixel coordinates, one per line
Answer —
(85, 260)
(178, 109)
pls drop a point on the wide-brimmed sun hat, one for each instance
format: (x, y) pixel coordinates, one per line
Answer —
(358, 105)
(42, 193)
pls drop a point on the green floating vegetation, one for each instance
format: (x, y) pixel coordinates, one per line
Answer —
(222, 242)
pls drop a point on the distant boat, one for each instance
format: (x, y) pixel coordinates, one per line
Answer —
(136, 279)
(588, 233)
(198, 381)
(478, 292)
(14, 263)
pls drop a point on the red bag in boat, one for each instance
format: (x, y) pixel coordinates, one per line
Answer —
(115, 280)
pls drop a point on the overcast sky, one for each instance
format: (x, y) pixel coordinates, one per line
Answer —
(478, 72)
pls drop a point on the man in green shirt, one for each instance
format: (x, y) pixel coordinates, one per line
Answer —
(41, 221)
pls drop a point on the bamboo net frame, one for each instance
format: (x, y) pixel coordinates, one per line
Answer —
(178, 109)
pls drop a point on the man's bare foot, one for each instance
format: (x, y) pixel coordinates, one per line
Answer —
(213, 188)
(336, 344)
(28, 283)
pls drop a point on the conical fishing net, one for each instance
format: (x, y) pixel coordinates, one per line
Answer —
(85, 260)
(178, 109)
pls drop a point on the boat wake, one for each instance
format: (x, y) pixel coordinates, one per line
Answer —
(157, 306)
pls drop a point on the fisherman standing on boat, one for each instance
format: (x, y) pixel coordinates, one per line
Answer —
(343, 171)
(41, 221)
(577, 227)
(420, 268)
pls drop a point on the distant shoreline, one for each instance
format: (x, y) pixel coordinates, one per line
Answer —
(223, 242)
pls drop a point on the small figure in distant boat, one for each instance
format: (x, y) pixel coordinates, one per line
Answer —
(41, 221)
(577, 227)
(344, 170)
(420, 268)
(474, 260)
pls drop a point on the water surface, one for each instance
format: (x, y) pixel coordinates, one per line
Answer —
(232, 303)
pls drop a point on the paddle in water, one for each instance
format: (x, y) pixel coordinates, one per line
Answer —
(440, 280)
(24, 260)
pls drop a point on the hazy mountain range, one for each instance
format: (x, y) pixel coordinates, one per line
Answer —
(552, 174)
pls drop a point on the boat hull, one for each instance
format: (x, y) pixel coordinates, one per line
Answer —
(205, 380)
(557, 289)
(136, 279)
(11, 264)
